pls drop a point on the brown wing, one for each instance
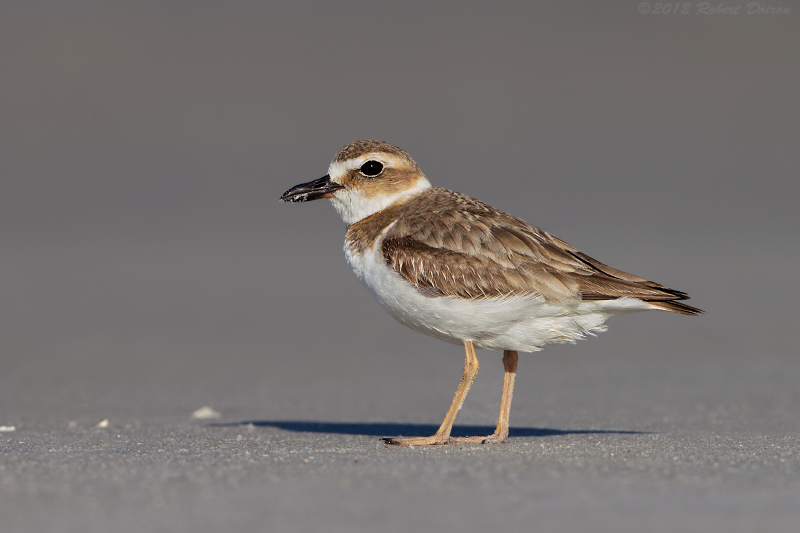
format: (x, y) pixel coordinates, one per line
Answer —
(453, 245)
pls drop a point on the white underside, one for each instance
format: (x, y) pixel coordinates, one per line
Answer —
(524, 323)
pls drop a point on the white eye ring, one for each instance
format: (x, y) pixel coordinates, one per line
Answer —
(371, 168)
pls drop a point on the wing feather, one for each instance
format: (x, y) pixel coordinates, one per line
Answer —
(454, 245)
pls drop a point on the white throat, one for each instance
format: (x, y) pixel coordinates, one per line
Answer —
(353, 206)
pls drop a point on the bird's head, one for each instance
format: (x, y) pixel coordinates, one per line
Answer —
(365, 177)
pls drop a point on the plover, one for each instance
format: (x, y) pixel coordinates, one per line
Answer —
(457, 269)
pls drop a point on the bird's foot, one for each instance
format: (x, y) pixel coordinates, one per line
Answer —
(433, 440)
(494, 438)
(437, 440)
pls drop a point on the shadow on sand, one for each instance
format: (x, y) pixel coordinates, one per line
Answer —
(395, 429)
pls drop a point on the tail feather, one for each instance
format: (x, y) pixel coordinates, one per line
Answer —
(676, 307)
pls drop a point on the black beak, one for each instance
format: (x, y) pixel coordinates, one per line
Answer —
(313, 190)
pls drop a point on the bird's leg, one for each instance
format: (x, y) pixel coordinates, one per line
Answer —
(442, 435)
(500, 434)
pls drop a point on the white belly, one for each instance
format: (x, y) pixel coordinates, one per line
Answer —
(524, 324)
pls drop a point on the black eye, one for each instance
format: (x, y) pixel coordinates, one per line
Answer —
(371, 169)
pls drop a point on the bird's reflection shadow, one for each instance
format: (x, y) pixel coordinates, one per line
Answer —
(395, 429)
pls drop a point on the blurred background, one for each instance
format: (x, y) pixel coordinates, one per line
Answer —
(147, 268)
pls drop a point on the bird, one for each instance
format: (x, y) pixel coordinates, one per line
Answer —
(456, 269)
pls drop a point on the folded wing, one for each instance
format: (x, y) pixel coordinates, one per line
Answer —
(460, 247)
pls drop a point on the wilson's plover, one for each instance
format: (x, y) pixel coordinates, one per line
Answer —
(457, 269)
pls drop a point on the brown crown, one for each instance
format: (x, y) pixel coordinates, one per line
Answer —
(359, 148)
